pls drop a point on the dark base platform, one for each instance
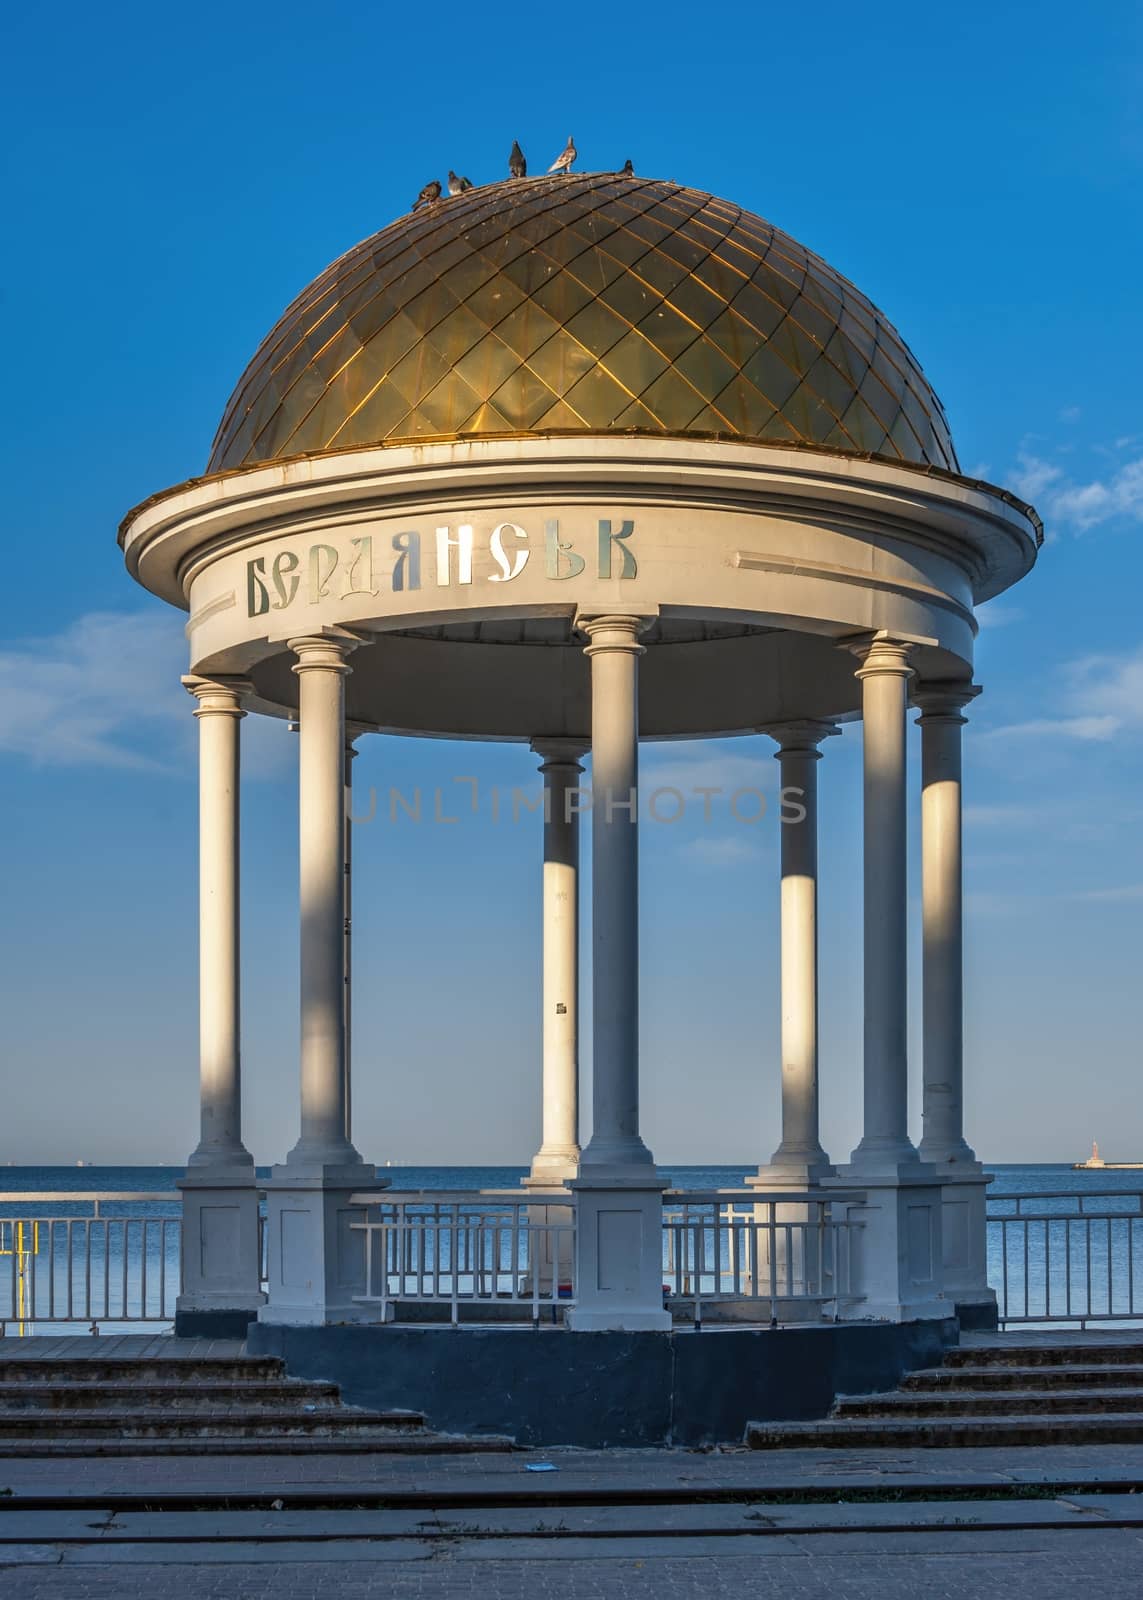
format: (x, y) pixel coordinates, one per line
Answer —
(553, 1386)
(213, 1324)
(978, 1316)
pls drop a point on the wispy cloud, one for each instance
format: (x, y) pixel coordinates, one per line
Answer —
(1094, 727)
(1032, 476)
(1102, 697)
(96, 694)
(672, 767)
(994, 615)
(1003, 816)
(1109, 685)
(1079, 505)
(1122, 891)
(726, 851)
(106, 693)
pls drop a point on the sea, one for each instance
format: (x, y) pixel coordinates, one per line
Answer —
(1008, 1178)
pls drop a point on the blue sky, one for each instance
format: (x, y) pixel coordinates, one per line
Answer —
(176, 176)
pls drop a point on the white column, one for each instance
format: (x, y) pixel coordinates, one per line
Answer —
(614, 652)
(221, 1288)
(618, 1194)
(322, 669)
(799, 1158)
(885, 673)
(353, 731)
(315, 1255)
(940, 722)
(218, 713)
(558, 1155)
(963, 1181)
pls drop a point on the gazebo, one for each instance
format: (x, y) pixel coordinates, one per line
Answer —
(580, 461)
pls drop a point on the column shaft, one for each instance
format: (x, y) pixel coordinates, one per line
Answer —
(321, 670)
(800, 1148)
(942, 894)
(885, 675)
(614, 654)
(347, 972)
(219, 712)
(558, 1156)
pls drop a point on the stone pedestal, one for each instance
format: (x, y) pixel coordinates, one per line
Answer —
(964, 1190)
(619, 1255)
(897, 1254)
(316, 1262)
(221, 1290)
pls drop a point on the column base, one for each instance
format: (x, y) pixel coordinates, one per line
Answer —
(619, 1254)
(896, 1254)
(883, 1159)
(316, 1260)
(552, 1170)
(795, 1174)
(221, 1267)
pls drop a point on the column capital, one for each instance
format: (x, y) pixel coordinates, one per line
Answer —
(322, 652)
(943, 700)
(221, 696)
(799, 737)
(613, 632)
(879, 654)
(560, 752)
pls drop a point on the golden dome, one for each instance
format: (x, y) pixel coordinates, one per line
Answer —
(584, 304)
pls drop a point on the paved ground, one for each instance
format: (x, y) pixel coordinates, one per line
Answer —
(951, 1567)
(594, 1547)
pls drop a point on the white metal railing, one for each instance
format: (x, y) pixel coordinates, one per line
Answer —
(788, 1255)
(464, 1249)
(1063, 1257)
(98, 1263)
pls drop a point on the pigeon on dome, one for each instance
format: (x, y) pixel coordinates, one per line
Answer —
(567, 155)
(628, 171)
(457, 185)
(431, 192)
(517, 166)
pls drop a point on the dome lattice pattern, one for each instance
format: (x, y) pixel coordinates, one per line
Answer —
(585, 304)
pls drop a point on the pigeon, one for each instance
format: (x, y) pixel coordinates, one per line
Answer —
(517, 166)
(431, 192)
(567, 155)
(628, 169)
(457, 185)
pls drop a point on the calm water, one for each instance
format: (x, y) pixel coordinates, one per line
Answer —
(1009, 1179)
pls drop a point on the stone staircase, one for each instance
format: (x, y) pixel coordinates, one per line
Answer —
(1001, 1393)
(198, 1405)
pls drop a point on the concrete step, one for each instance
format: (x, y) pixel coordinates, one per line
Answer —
(178, 1369)
(1105, 1376)
(886, 1433)
(1045, 1355)
(165, 1422)
(67, 1394)
(396, 1442)
(1013, 1402)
